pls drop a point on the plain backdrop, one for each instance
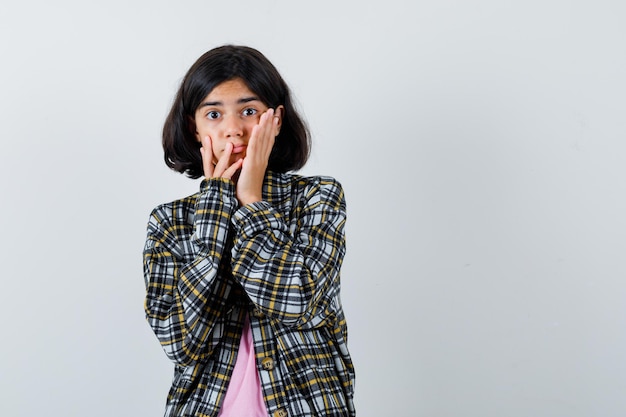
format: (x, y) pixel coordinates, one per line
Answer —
(481, 145)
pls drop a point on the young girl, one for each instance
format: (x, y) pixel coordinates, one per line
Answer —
(242, 278)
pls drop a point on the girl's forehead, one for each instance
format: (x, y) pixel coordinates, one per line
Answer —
(233, 87)
(232, 92)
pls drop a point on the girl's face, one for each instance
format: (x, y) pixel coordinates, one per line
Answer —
(228, 114)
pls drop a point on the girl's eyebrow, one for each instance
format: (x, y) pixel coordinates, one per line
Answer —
(220, 103)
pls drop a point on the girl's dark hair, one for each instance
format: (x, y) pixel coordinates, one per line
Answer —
(182, 150)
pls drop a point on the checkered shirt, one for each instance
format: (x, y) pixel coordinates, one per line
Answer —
(208, 262)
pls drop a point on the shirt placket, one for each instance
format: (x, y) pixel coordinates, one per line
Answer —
(270, 373)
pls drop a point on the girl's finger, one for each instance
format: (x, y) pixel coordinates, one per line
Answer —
(262, 134)
(275, 123)
(206, 151)
(222, 163)
(233, 168)
(268, 133)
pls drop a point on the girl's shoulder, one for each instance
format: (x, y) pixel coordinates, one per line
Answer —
(302, 188)
(179, 211)
(303, 181)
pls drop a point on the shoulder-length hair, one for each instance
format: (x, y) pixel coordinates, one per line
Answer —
(182, 150)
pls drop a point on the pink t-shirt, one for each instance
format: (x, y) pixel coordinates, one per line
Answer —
(244, 397)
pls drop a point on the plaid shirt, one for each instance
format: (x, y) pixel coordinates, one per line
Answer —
(209, 262)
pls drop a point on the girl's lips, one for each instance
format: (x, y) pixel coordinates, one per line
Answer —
(238, 149)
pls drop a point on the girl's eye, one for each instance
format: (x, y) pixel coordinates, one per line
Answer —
(249, 112)
(213, 115)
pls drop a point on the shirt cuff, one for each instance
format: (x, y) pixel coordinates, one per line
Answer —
(217, 183)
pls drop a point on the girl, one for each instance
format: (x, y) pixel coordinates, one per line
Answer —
(242, 278)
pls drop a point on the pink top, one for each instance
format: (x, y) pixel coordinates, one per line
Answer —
(244, 397)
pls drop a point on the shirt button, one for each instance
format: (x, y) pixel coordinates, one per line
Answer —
(281, 412)
(267, 364)
(257, 313)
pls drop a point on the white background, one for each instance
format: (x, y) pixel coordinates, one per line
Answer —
(481, 145)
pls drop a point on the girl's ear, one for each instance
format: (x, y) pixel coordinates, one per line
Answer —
(191, 125)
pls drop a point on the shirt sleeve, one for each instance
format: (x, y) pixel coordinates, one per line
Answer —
(185, 293)
(291, 271)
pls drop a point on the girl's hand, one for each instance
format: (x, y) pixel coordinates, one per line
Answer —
(221, 168)
(250, 182)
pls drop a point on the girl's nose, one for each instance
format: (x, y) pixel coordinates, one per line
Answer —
(233, 127)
